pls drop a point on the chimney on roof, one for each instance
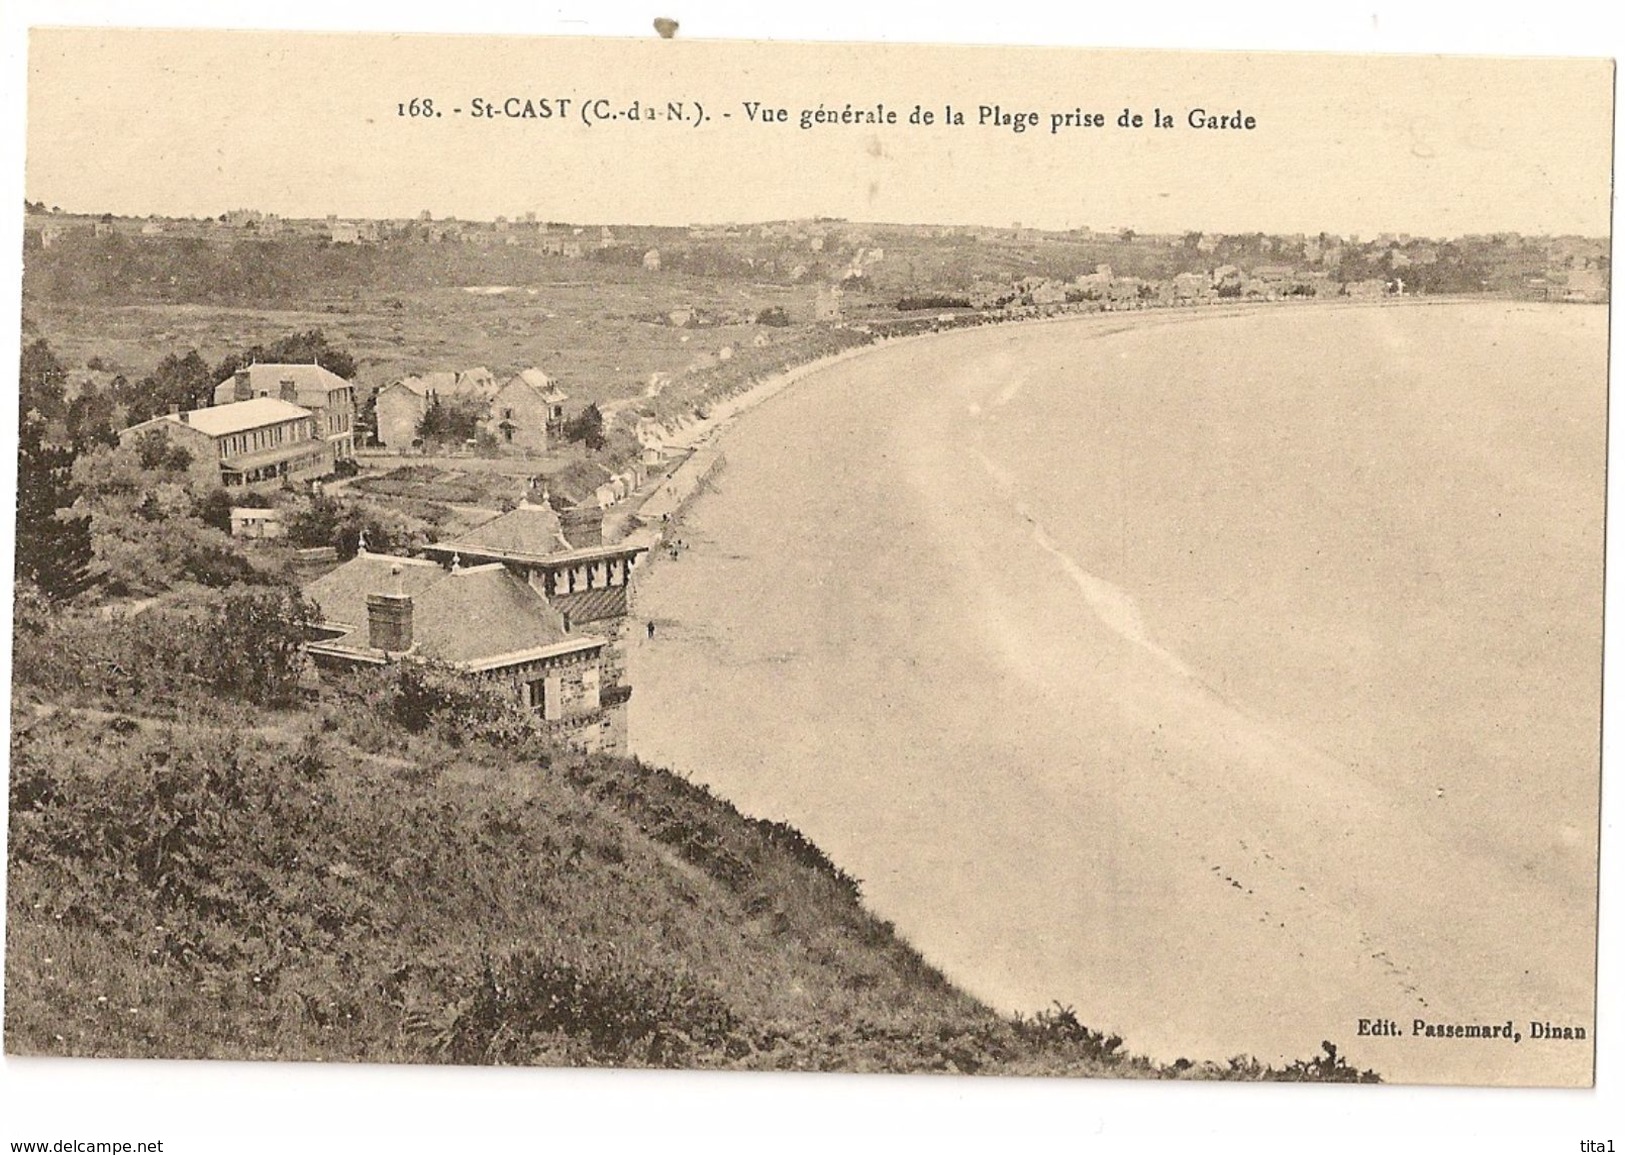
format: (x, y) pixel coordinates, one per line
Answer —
(242, 388)
(389, 622)
(583, 526)
(288, 391)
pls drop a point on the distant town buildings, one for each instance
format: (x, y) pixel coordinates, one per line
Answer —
(1191, 286)
(1585, 285)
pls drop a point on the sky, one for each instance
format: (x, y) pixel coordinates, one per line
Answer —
(194, 123)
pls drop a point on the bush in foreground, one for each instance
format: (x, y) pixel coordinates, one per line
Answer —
(398, 866)
(266, 887)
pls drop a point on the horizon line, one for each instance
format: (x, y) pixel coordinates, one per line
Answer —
(1361, 236)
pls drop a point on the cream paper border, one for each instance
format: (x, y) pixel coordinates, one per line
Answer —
(284, 1106)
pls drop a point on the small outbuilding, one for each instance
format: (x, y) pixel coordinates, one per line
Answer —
(257, 522)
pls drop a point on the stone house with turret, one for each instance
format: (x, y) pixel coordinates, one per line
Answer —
(534, 599)
(479, 620)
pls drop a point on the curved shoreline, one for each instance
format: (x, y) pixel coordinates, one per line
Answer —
(707, 432)
(1158, 806)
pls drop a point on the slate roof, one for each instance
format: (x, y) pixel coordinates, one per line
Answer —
(425, 383)
(312, 382)
(469, 616)
(542, 383)
(342, 593)
(481, 612)
(238, 417)
(478, 380)
(526, 529)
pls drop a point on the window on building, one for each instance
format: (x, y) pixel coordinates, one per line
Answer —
(545, 696)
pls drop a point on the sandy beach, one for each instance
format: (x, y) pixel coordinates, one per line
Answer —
(1231, 679)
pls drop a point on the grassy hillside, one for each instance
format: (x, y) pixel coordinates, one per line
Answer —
(394, 870)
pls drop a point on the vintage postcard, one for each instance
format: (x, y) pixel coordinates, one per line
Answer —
(809, 557)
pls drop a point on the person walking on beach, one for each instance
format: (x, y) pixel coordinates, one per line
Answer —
(651, 628)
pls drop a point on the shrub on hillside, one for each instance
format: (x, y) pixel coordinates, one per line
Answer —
(151, 526)
(214, 508)
(54, 541)
(586, 427)
(261, 890)
(341, 524)
(269, 897)
(621, 1010)
(707, 831)
(246, 644)
(135, 554)
(451, 423)
(428, 696)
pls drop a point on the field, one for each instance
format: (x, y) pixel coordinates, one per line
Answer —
(591, 337)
